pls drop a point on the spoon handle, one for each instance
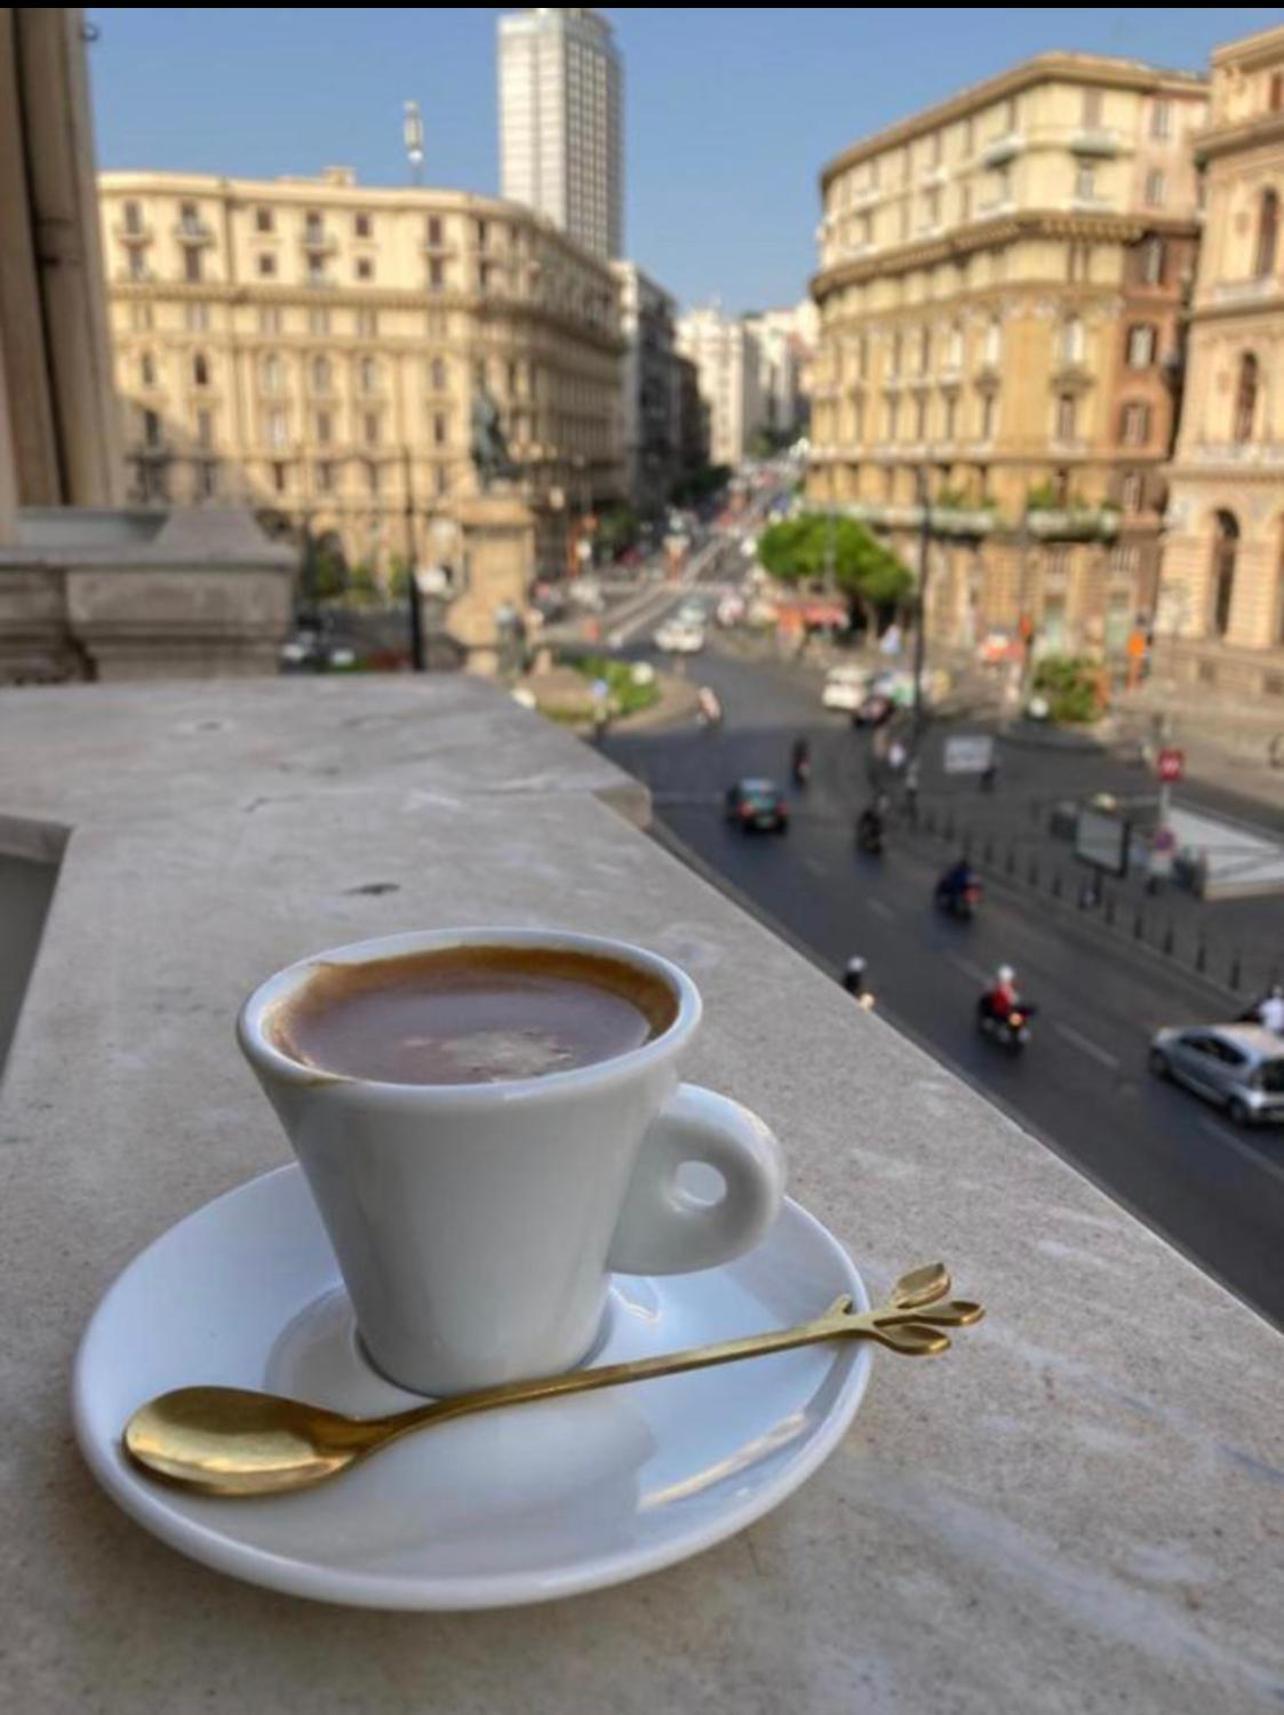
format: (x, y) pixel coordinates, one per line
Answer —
(886, 1325)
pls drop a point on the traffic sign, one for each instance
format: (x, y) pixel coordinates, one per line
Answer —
(1171, 765)
(968, 753)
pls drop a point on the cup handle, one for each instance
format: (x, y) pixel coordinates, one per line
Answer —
(665, 1230)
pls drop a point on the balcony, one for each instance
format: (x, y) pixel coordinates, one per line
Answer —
(193, 232)
(317, 242)
(998, 151)
(1246, 291)
(1097, 141)
(1243, 455)
(134, 235)
(961, 522)
(1074, 523)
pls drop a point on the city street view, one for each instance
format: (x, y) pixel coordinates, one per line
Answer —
(642, 783)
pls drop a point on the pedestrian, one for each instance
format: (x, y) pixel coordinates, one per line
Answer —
(1271, 1011)
(911, 789)
(897, 756)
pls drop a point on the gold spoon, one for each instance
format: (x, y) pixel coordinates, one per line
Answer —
(234, 1441)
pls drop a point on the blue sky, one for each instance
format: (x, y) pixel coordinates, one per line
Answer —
(729, 113)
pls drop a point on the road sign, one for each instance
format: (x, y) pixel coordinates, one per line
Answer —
(1101, 839)
(969, 753)
(1171, 764)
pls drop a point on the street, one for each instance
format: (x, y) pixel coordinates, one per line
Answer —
(1082, 1086)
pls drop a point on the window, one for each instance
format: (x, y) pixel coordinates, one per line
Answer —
(318, 321)
(367, 324)
(313, 228)
(207, 479)
(951, 415)
(370, 428)
(1161, 120)
(264, 220)
(1275, 92)
(1245, 398)
(1268, 221)
(325, 428)
(1009, 116)
(361, 226)
(316, 271)
(1156, 188)
(969, 138)
(865, 229)
(932, 206)
(483, 234)
(920, 417)
(271, 373)
(373, 474)
(893, 416)
(320, 374)
(934, 149)
(1072, 340)
(987, 416)
(1002, 180)
(1132, 491)
(133, 217)
(954, 347)
(1067, 415)
(1085, 182)
(904, 217)
(368, 375)
(269, 319)
(205, 428)
(280, 478)
(434, 229)
(437, 375)
(325, 478)
(188, 219)
(862, 358)
(1141, 346)
(140, 317)
(439, 428)
(898, 349)
(993, 341)
(365, 268)
(1152, 262)
(151, 429)
(1078, 262)
(924, 350)
(147, 369)
(197, 317)
(266, 267)
(276, 428)
(137, 266)
(192, 265)
(1134, 427)
(965, 202)
(1090, 117)
(200, 369)
(1225, 549)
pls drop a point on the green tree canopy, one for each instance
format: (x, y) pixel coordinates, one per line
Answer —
(797, 550)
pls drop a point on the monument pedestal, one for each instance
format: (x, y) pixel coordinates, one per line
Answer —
(497, 544)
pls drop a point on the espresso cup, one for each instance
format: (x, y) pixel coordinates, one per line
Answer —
(477, 1225)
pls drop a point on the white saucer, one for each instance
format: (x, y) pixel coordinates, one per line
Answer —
(518, 1506)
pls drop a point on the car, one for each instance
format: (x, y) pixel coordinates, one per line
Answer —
(692, 612)
(846, 687)
(1238, 1066)
(758, 805)
(678, 637)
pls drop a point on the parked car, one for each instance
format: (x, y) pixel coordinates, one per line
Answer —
(1238, 1066)
(758, 805)
(679, 637)
(846, 687)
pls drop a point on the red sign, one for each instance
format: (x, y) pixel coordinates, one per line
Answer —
(1171, 765)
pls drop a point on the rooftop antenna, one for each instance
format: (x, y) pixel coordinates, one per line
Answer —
(412, 132)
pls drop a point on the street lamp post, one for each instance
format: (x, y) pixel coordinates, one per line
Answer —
(920, 615)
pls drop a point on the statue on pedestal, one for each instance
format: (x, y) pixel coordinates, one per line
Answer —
(489, 447)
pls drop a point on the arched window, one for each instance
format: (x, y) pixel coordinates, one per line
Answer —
(200, 369)
(1268, 222)
(1225, 548)
(320, 374)
(1245, 398)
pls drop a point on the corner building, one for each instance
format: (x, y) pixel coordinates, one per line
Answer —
(1001, 287)
(312, 347)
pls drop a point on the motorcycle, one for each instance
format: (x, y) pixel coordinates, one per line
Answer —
(959, 902)
(708, 709)
(801, 770)
(1010, 1029)
(869, 834)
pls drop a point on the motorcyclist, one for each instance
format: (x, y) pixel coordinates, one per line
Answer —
(1001, 998)
(956, 881)
(869, 824)
(800, 760)
(1270, 1011)
(710, 707)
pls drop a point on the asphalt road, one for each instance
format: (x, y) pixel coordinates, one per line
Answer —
(1082, 1085)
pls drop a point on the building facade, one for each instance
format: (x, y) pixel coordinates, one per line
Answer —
(1001, 288)
(727, 360)
(694, 453)
(561, 147)
(786, 339)
(316, 348)
(1222, 604)
(651, 401)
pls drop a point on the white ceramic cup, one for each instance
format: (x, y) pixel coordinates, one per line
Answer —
(476, 1225)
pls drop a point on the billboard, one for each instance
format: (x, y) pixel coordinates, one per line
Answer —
(1101, 839)
(969, 753)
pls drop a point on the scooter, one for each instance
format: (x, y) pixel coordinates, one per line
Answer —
(959, 902)
(1011, 1030)
(869, 834)
(801, 770)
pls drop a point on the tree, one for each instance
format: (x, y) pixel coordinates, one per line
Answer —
(797, 550)
(617, 529)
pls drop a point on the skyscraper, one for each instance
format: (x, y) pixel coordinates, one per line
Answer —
(560, 98)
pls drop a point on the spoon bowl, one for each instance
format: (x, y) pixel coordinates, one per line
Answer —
(224, 1440)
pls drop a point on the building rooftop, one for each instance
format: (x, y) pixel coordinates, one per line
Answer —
(1072, 1508)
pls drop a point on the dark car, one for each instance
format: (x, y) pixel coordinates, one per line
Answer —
(758, 804)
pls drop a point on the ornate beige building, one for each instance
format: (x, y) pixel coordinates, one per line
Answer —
(1223, 591)
(315, 347)
(1000, 288)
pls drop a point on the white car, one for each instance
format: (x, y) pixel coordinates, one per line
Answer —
(846, 687)
(677, 637)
